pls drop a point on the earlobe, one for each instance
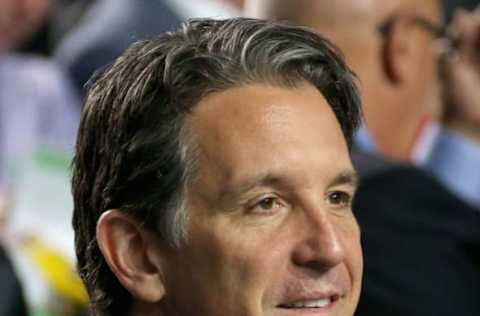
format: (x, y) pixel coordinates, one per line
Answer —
(131, 255)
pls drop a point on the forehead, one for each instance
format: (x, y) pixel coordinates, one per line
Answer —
(250, 129)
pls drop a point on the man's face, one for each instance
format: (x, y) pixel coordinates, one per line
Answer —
(271, 230)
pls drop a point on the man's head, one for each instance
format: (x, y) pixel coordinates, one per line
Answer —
(212, 176)
(393, 53)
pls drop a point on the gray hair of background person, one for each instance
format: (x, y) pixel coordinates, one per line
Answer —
(134, 152)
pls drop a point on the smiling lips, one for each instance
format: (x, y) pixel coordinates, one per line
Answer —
(311, 303)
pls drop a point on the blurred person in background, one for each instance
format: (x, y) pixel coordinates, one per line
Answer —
(109, 26)
(19, 20)
(450, 6)
(12, 301)
(38, 121)
(421, 240)
(398, 48)
(57, 18)
(37, 102)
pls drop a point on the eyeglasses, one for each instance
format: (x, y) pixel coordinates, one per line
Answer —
(446, 38)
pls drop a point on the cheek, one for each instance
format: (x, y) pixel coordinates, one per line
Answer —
(251, 257)
(237, 266)
(354, 260)
(265, 253)
(206, 276)
(264, 264)
(349, 232)
(429, 66)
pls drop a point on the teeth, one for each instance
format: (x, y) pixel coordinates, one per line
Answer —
(311, 304)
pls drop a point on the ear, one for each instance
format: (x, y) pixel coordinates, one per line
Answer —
(132, 254)
(399, 50)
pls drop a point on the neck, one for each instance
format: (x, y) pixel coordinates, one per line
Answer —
(395, 133)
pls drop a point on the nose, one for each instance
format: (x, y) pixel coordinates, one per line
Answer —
(320, 246)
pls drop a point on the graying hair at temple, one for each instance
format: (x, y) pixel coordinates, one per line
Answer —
(134, 152)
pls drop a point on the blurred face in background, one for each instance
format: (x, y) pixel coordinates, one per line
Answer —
(396, 57)
(397, 67)
(19, 19)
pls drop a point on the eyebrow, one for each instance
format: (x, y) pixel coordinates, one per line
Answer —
(349, 177)
(264, 179)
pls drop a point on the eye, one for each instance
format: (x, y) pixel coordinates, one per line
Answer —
(267, 204)
(339, 198)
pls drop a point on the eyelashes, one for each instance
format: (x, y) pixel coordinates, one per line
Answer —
(271, 203)
(267, 205)
(339, 199)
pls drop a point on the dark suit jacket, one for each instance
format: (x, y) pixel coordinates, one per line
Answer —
(421, 245)
(11, 297)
